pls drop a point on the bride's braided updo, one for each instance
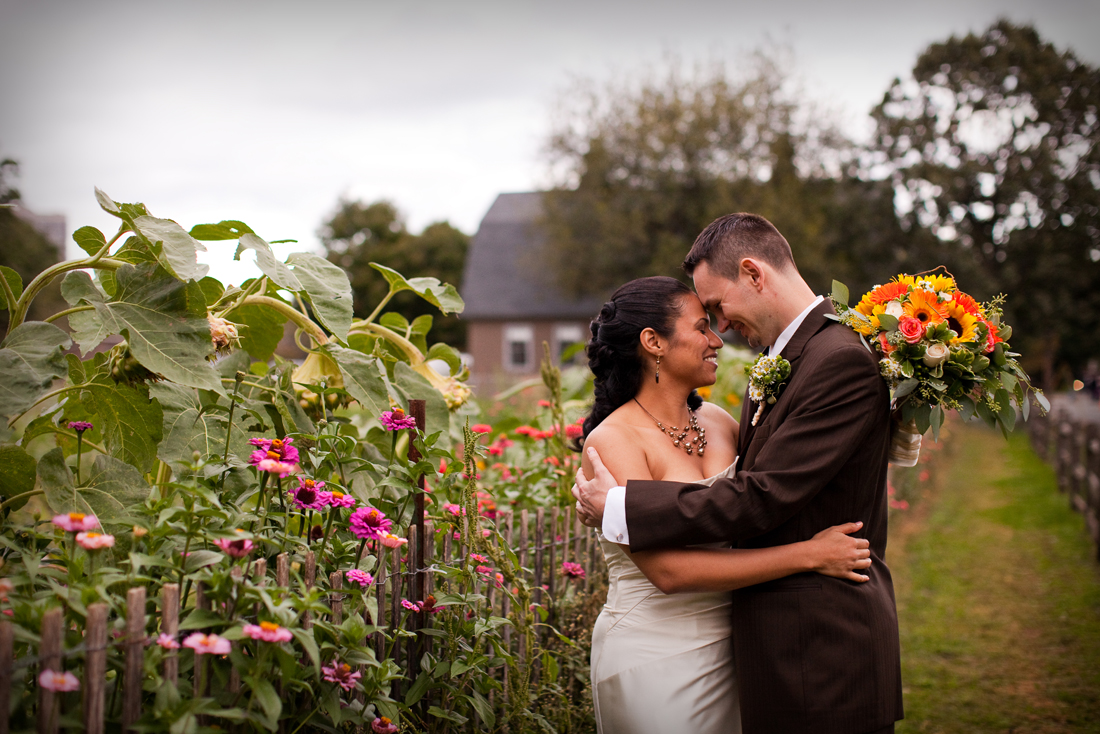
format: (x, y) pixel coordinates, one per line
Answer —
(614, 351)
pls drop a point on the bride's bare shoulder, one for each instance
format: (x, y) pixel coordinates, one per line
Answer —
(618, 445)
(715, 418)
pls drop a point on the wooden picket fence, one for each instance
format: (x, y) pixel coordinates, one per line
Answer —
(543, 540)
(1068, 438)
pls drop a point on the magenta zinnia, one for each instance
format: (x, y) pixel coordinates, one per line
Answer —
(275, 449)
(237, 548)
(58, 682)
(341, 674)
(396, 420)
(572, 570)
(362, 578)
(308, 495)
(369, 523)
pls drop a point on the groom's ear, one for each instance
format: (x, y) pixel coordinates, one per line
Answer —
(753, 272)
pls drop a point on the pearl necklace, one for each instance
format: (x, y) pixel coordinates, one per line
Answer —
(678, 436)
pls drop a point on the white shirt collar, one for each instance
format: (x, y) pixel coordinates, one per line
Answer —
(792, 327)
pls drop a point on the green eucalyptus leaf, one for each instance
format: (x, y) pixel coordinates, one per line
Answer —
(179, 249)
(165, 324)
(31, 358)
(441, 295)
(887, 322)
(840, 293)
(362, 377)
(936, 417)
(923, 417)
(18, 471)
(15, 283)
(227, 229)
(966, 407)
(905, 387)
(260, 329)
(90, 239)
(277, 271)
(327, 289)
(1042, 399)
(986, 414)
(1006, 414)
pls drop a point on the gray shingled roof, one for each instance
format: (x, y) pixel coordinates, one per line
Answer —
(502, 279)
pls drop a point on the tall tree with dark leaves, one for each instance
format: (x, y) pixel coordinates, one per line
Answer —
(22, 248)
(359, 233)
(992, 146)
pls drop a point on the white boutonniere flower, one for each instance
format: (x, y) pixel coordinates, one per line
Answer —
(767, 375)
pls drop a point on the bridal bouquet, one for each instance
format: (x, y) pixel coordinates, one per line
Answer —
(940, 350)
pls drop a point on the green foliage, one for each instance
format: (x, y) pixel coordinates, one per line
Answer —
(992, 146)
(359, 234)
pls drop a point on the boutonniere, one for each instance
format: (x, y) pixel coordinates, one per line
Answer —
(767, 375)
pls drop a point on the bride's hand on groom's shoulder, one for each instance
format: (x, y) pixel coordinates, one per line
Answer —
(834, 552)
(591, 494)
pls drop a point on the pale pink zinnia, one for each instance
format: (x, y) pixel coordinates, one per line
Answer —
(277, 467)
(392, 541)
(167, 642)
(368, 522)
(94, 541)
(454, 509)
(362, 578)
(76, 522)
(341, 674)
(382, 725)
(207, 644)
(268, 632)
(51, 680)
(572, 570)
(277, 449)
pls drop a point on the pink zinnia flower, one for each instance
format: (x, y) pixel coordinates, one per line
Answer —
(368, 522)
(428, 605)
(484, 570)
(382, 725)
(481, 428)
(94, 541)
(76, 522)
(362, 578)
(499, 579)
(411, 606)
(392, 541)
(238, 548)
(454, 509)
(308, 495)
(276, 449)
(339, 499)
(572, 570)
(207, 644)
(167, 642)
(574, 431)
(268, 632)
(396, 420)
(478, 558)
(58, 682)
(277, 467)
(341, 674)
(80, 426)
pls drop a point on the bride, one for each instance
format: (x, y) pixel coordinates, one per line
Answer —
(661, 651)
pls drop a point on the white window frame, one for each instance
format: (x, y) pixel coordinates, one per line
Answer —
(518, 334)
(566, 334)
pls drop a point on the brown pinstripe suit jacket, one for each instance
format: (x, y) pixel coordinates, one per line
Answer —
(813, 653)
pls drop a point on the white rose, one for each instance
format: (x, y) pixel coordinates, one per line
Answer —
(893, 308)
(935, 354)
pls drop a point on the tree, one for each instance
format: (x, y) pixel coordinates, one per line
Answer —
(991, 146)
(22, 247)
(358, 234)
(643, 166)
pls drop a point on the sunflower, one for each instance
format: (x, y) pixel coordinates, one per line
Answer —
(924, 307)
(961, 321)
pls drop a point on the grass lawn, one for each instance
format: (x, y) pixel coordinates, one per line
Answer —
(998, 596)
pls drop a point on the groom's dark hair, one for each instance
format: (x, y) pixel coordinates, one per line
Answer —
(729, 239)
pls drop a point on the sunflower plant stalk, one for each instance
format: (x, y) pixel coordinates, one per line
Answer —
(941, 350)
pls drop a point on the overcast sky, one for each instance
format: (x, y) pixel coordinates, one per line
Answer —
(271, 111)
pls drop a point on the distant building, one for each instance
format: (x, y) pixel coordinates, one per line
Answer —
(511, 306)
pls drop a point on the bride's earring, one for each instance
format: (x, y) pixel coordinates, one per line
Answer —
(657, 376)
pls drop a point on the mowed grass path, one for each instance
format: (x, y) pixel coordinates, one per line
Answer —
(998, 596)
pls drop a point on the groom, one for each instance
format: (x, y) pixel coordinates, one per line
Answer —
(813, 653)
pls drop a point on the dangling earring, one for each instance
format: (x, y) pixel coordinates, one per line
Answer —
(657, 376)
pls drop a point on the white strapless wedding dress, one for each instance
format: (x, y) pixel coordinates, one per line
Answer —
(660, 662)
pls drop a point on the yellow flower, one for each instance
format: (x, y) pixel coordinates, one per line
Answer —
(871, 310)
(939, 283)
(961, 321)
(704, 392)
(924, 307)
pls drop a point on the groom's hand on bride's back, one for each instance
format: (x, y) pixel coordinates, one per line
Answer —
(834, 552)
(591, 494)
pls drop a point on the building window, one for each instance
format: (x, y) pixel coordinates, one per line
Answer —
(565, 336)
(519, 348)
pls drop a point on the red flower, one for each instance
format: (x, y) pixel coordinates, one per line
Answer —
(481, 428)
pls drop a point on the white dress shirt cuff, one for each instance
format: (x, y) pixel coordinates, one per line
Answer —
(614, 516)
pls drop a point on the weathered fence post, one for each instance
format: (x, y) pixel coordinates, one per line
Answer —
(336, 597)
(135, 655)
(170, 625)
(7, 655)
(309, 576)
(49, 652)
(95, 668)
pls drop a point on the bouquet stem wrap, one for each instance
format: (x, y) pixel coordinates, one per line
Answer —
(905, 443)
